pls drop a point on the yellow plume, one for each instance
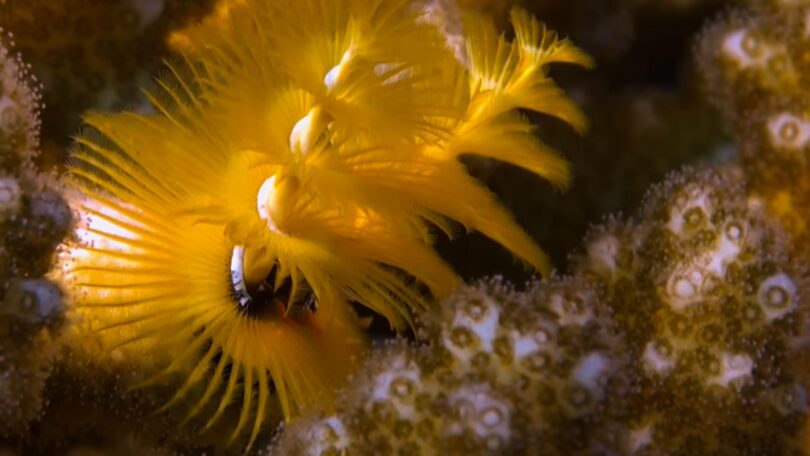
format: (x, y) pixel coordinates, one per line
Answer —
(301, 158)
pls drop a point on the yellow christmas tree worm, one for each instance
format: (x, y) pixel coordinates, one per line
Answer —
(302, 156)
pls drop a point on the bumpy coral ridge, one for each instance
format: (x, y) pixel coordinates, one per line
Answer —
(490, 351)
(675, 335)
(710, 306)
(755, 66)
(33, 219)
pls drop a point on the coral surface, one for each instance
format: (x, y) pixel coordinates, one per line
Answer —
(33, 220)
(678, 333)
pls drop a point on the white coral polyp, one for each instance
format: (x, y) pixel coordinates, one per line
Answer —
(482, 414)
(727, 249)
(524, 345)
(734, 369)
(603, 253)
(10, 197)
(590, 373)
(328, 434)
(399, 369)
(571, 311)
(787, 131)
(539, 339)
(690, 282)
(685, 287)
(777, 296)
(734, 49)
(483, 326)
(656, 361)
(697, 198)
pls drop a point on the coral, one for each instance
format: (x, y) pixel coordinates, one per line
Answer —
(551, 346)
(24, 368)
(33, 217)
(755, 69)
(711, 308)
(19, 116)
(500, 372)
(676, 334)
(33, 220)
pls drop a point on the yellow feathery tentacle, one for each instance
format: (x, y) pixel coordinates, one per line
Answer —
(261, 411)
(509, 75)
(131, 257)
(510, 139)
(541, 46)
(215, 380)
(227, 395)
(247, 400)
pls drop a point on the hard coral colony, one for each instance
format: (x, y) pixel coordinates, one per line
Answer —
(302, 157)
(33, 220)
(672, 336)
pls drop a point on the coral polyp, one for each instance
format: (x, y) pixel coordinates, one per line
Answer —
(302, 157)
